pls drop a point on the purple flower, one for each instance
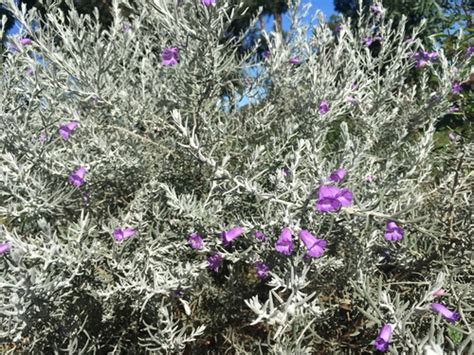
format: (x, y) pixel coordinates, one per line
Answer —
(208, 3)
(337, 29)
(214, 262)
(338, 175)
(369, 40)
(178, 293)
(423, 58)
(352, 100)
(230, 235)
(260, 236)
(77, 177)
(438, 293)
(25, 41)
(452, 136)
(456, 88)
(453, 109)
(383, 340)
(284, 244)
(314, 246)
(169, 57)
(266, 54)
(66, 129)
(42, 137)
(122, 234)
(431, 56)
(332, 198)
(469, 51)
(393, 232)
(376, 10)
(126, 28)
(450, 316)
(195, 241)
(294, 60)
(30, 71)
(4, 248)
(323, 107)
(261, 270)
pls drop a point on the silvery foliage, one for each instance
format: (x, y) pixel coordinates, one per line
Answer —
(168, 154)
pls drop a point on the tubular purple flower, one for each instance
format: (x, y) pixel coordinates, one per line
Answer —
(294, 60)
(122, 234)
(230, 235)
(77, 177)
(214, 262)
(284, 244)
(169, 57)
(314, 246)
(260, 236)
(195, 241)
(448, 315)
(338, 175)
(208, 3)
(456, 88)
(261, 270)
(266, 54)
(66, 129)
(452, 136)
(25, 41)
(382, 342)
(453, 109)
(4, 248)
(332, 198)
(393, 232)
(469, 51)
(323, 107)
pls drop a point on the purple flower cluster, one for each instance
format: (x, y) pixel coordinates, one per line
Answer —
(315, 247)
(424, 57)
(333, 198)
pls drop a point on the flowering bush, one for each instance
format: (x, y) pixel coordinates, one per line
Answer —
(150, 203)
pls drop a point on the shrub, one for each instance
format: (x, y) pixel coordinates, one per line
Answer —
(118, 144)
